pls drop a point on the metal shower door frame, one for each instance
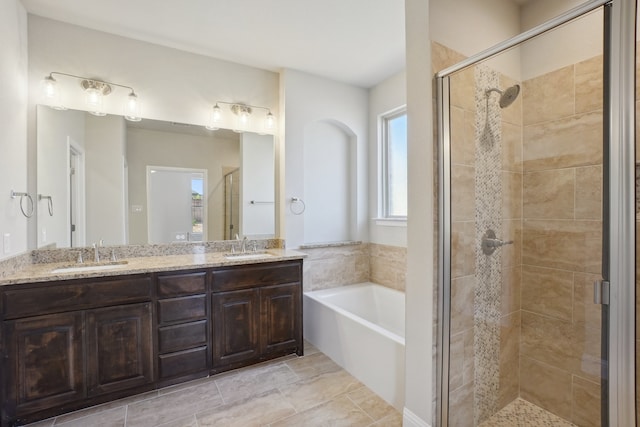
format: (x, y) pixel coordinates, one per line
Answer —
(618, 239)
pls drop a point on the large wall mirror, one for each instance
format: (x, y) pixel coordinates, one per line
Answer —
(105, 178)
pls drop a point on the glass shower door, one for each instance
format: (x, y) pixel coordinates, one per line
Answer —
(523, 229)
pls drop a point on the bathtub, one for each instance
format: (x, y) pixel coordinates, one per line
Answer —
(361, 327)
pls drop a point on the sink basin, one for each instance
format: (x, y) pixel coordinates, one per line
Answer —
(96, 267)
(248, 255)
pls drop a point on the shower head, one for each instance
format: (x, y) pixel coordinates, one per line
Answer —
(507, 96)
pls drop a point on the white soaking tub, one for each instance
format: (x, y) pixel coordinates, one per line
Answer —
(361, 327)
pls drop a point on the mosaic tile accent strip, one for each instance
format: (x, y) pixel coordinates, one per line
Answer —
(488, 213)
(521, 413)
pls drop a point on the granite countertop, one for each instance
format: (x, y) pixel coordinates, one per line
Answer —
(43, 272)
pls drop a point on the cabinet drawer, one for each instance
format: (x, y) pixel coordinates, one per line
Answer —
(182, 336)
(182, 309)
(77, 295)
(181, 284)
(183, 362)
(241, 277)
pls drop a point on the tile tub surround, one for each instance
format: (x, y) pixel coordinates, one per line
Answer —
(330, 265)
(340, 264)
(292, 391)
(388, 265)
(43, 272)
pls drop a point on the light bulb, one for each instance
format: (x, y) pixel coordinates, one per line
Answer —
(242, 120)
(93, 98)
(132, 108)
(214, 118)
(51, 93)
(216, 115)
(270, 122)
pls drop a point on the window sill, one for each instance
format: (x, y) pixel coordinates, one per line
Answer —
(391, 222)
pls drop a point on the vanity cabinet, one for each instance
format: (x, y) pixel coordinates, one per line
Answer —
(67, 342)
(257, 313)
(183, 326)
(74, 343)
(45, 363)
(119, 352)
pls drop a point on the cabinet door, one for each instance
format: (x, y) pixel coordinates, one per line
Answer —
(45, 362)
(235, 326)
(281, 318)
(119, 348)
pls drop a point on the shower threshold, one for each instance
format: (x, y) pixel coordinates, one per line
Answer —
(521, 413)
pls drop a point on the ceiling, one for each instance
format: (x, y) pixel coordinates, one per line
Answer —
(359, 42)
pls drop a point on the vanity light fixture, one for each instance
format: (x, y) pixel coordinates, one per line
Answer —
(95, 90)
(243, 114)
(51, 93)
(215, 118)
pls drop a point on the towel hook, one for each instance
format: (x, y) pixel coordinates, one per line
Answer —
(22, 197)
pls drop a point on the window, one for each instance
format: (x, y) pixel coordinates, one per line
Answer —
(394, 165)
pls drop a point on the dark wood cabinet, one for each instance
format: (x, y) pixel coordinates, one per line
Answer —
(257, 313)
(183, 334)
(236, 316)
(119, 348)
(280, 318)
(45, 363)
(76, 343)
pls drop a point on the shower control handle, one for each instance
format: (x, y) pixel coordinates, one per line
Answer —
(490, 243)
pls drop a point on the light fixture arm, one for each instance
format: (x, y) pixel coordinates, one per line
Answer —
(239, 105)
(91, 79)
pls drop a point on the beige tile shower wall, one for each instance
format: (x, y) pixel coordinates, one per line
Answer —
(463, 122)
(463, 230)
(561, 253)
(329, 267)
(388, 265)
(512, 214)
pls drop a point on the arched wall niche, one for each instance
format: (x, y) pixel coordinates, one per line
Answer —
(329, 182)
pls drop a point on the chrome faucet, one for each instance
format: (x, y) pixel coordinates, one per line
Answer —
(96, 252)
(243, 248)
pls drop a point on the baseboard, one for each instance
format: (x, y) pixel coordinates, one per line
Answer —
(409, 419)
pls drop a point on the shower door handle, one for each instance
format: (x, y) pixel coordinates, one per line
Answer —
(601, 292)
(490, 243)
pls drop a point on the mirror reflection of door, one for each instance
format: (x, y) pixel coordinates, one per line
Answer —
(176, 200)
(76, 196)
(231, 203)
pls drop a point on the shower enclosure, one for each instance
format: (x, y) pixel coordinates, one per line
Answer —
(536, 220)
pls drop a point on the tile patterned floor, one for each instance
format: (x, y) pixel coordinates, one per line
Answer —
(292, 391)
(521, 413)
